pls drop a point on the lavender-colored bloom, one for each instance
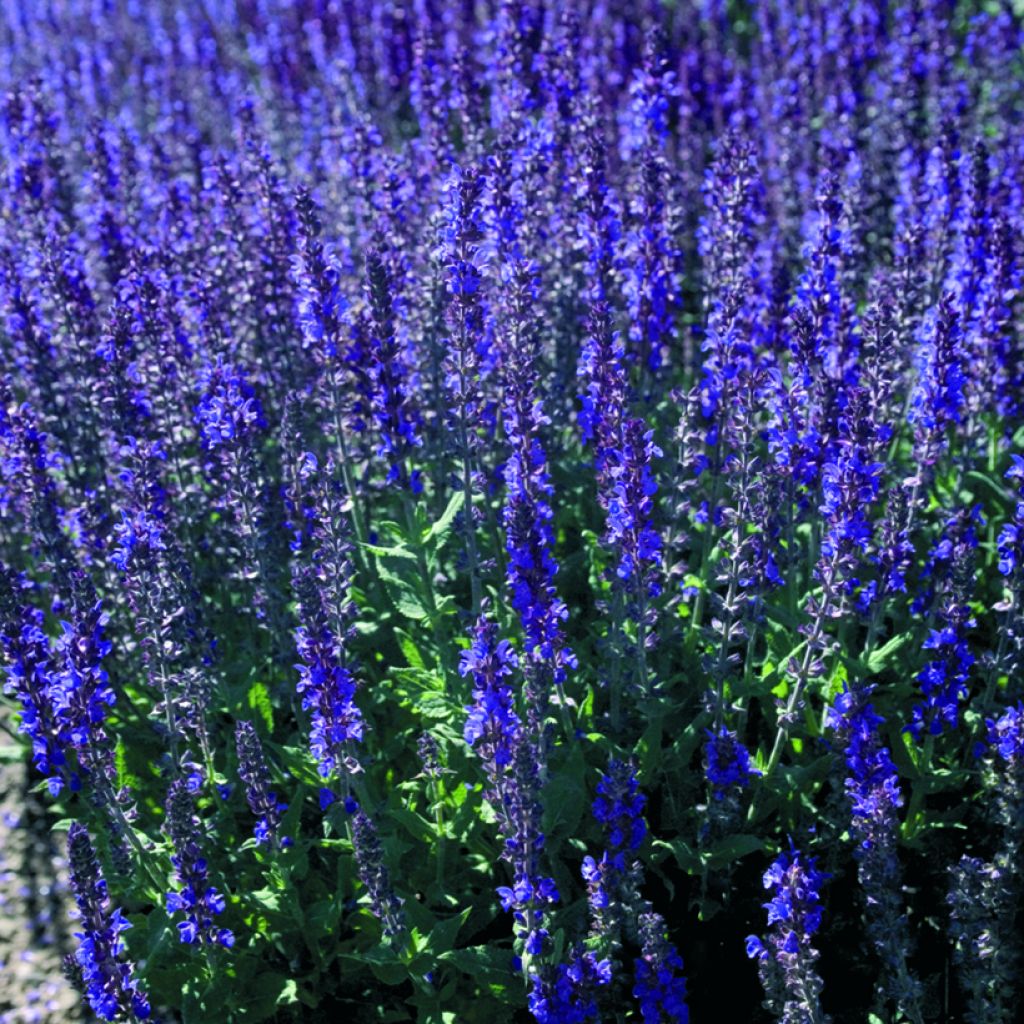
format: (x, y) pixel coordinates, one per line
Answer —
(849, 486)
(393, 408)
(944, 678)
(728, 763)
(787, 960)
(462, 253)
(512, 763)
(939, 399)
(373, 873)
(997, 340)
(1006, 737)
(568, 994)
(326, 685)
(659, 986)
(726, 240)
(429, 755)
(651, 253)
(873, 789)
(82, 692)
(619, 807)
(603, 400)
(318, 282)
(984, 894)
(253, 771)
(822, 336)
(28, 464)
(492, 725)
(195, 899)
(600, 878)
(613, 882)
(894, 552)
(629, 507)
(527, 513)
(1011, 536)
(873, 784)
(531, 567)
(329, 546)
(230, 419)
(602, 360)
(32, 673)
(106, 974)
(1006, 765)
(228, 412)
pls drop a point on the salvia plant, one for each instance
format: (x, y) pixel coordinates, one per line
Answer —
(514, 510)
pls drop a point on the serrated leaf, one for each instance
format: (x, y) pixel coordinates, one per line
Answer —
(409, 605)
(125, 779)
(393, 552)
(409, 649)
(395, 579)
(443, 525)
(258, 699)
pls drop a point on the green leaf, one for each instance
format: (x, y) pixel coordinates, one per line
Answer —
(880, 658)
(409, 605)
(404, 591)
(441, 528)
(442, 938)
(415, 824)
(125, 779)
(267, 900)
(995, 485)
(686, 857)
(565, 795)
(267, 993)
(733, 848)
(258, 700)
(395, 552)
(409, 649)
(486, 964)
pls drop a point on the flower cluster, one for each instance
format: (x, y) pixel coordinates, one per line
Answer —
(873, 789)
(787, 960)
(728, 766)
(660, 987)
(107, 975)
(447, 406)
(630, 504)
(373, 873)
(196, 900)
(326, 685)
(569, 994)
(512, 763)
(253, 771)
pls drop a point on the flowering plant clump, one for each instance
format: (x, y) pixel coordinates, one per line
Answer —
(484, 485)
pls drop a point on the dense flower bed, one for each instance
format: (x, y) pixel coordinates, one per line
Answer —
(483, 485)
